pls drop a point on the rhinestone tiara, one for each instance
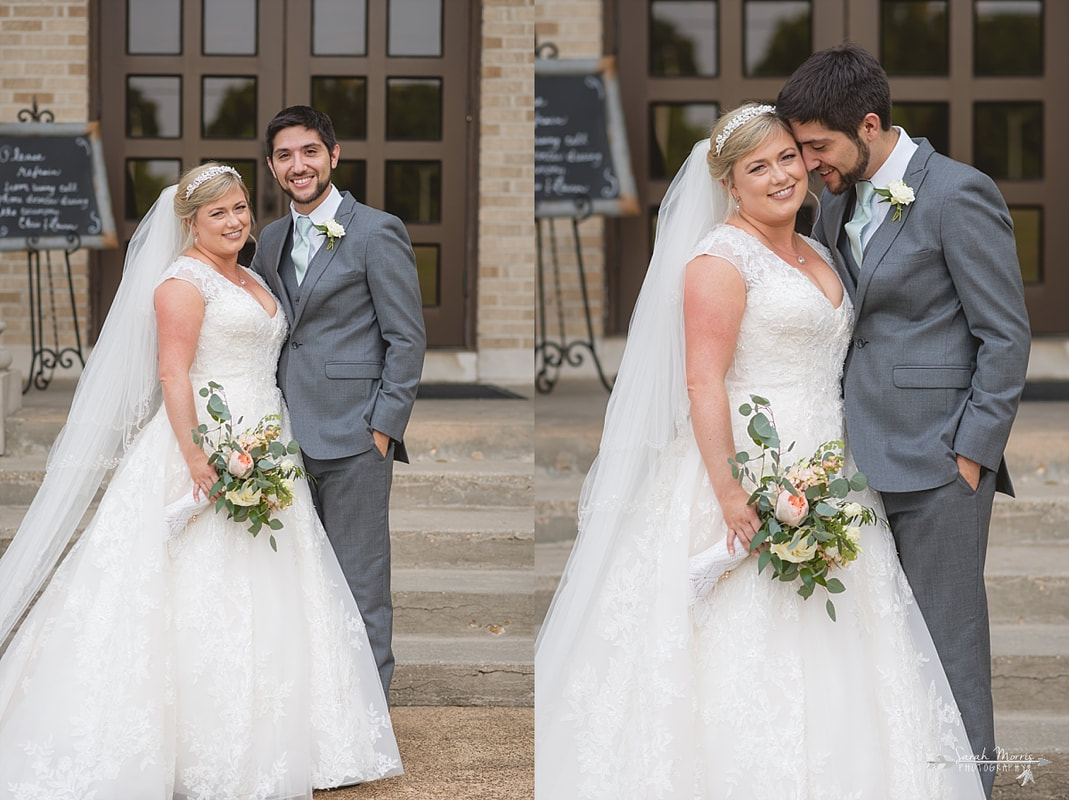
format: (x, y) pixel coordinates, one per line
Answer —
(214, 172)
(738, 121)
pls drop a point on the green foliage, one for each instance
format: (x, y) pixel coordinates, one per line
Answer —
(817, 529)
(265, 482)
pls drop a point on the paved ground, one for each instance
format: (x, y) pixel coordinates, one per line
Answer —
(457, 753)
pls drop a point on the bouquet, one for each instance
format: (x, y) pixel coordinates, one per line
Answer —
(807, 526)
(255, 475)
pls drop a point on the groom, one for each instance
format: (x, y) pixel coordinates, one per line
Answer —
(346, 276)
(941, 341)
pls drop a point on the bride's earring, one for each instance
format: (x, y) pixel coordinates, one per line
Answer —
(738, 202)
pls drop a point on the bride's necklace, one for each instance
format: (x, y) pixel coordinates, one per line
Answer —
(238, 279)
(795, 255)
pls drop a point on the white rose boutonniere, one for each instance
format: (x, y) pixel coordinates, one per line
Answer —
(899, 194)
(333, 230)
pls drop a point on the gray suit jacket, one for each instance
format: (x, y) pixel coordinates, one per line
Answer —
(354, 356)
(941, 334)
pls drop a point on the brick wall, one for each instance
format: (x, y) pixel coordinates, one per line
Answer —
(575, 27)
(44, 53)
(506, 263)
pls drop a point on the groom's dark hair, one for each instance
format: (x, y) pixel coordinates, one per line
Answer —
(304, 116)
(837, 87)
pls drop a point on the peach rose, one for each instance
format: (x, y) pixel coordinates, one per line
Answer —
(790, 508)
(239, 464)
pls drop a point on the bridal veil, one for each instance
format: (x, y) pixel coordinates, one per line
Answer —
(117, 393)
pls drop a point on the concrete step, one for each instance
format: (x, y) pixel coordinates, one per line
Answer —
(461, 429)
(438, 429)
(463, 484)
(1030, 667)
(1039, 514)
(1024, 583)
(550, 559)
(462, 671)
(1027, 736)
(556, 506)
(1028, 583)
(468, 483)
(475, 537)
(459, 602)
(1039, 442)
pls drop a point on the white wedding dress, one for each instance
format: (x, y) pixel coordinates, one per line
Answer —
(761, 695)
(211, 667)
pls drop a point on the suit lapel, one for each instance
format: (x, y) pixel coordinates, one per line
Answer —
(274, 249)
(323, 257)
(889, 230)
(833, 212)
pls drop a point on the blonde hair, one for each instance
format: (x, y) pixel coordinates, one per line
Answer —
(207, 192)
(742, 140)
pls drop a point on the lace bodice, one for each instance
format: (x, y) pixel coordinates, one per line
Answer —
(791, 343)
(239, 342)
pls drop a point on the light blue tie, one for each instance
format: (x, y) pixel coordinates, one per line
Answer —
(862, 216)
(302, 247)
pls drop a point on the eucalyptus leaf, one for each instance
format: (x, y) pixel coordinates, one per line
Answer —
(218, 409)
(840, 487)
(763, 560)
(824, 510)
(830, 606)
(835, 586)
(858, 481)
(758, 400)
(746, 409)
(806, 590)
(275, 524)
(758, 540)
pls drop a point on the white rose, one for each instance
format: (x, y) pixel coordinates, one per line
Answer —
(802, 551)
(334, 228)
(852, 509)
(790, 508)
(853, 534)
(900, 193)
(246, 496)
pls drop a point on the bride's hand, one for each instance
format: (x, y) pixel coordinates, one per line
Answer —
(203, 474)
(740, 517)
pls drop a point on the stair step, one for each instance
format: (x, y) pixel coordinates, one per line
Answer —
(556, 506)
(459, 602)
(447, 671)
(470, 537)
(471, 483)
(1027, 736)
(461, 429)
(449, 429)
(1030, 667)
(421, 484)
(1038, 515)
(1028, 583)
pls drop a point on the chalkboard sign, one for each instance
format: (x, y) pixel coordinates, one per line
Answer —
(53, 191)
(580, 143)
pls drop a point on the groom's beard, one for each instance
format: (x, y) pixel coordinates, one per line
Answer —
(310, 194)
(856, 172)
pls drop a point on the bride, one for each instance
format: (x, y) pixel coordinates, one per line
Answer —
(207, 665)
(753, 692)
